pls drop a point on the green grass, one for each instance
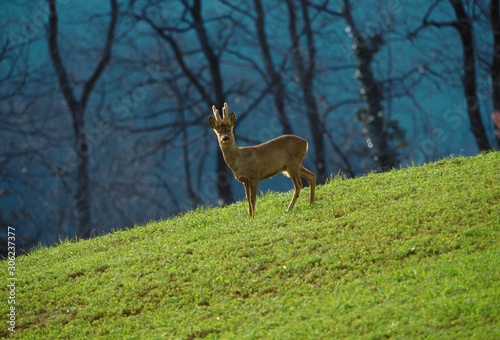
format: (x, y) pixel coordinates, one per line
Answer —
(412, 253)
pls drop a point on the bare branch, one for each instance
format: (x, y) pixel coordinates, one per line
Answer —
(105, 57)
(56, 57)
(179, 56)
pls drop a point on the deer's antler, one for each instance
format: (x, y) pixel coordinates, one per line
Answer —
(224, 114)
(216, 114)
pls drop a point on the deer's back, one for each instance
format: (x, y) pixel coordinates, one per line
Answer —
(292, 145)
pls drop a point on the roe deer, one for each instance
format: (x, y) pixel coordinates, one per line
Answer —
(252, 164)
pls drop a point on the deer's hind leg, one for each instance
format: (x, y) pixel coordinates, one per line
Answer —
(311, 178)
(297, 183)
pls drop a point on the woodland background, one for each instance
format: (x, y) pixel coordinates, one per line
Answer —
(104, 105)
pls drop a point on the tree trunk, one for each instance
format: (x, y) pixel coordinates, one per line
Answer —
(495, 67)
(306, 71)
(277, 86)
(464, 28)
(193, 196)
(82, 194)
(224, 174)
(375, 124)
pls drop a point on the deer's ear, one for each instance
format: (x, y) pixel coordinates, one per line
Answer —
(213, 123)
(232, 119)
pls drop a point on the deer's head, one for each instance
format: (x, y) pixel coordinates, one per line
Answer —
(223, 127)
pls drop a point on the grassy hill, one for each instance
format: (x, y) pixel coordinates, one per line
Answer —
(405, 254)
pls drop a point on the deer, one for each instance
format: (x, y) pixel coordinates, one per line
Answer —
(251, 164)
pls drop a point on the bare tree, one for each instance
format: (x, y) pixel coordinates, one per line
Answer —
(27, 197)
(213, 58)
(495, 65)
(305, 66)
(210, 93)
(77, 107)
(377, 128)
(275, 79)
(463, 25)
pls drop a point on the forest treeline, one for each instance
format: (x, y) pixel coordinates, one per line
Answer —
(104, 105)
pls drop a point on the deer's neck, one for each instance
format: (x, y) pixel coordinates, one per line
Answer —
(231, 155)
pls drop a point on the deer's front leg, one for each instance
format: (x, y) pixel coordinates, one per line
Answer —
(249, 197)
(253, 193)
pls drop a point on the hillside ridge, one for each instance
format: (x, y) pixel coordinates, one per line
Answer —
(409, 253)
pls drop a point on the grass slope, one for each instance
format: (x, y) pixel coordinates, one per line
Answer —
(406, 254)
